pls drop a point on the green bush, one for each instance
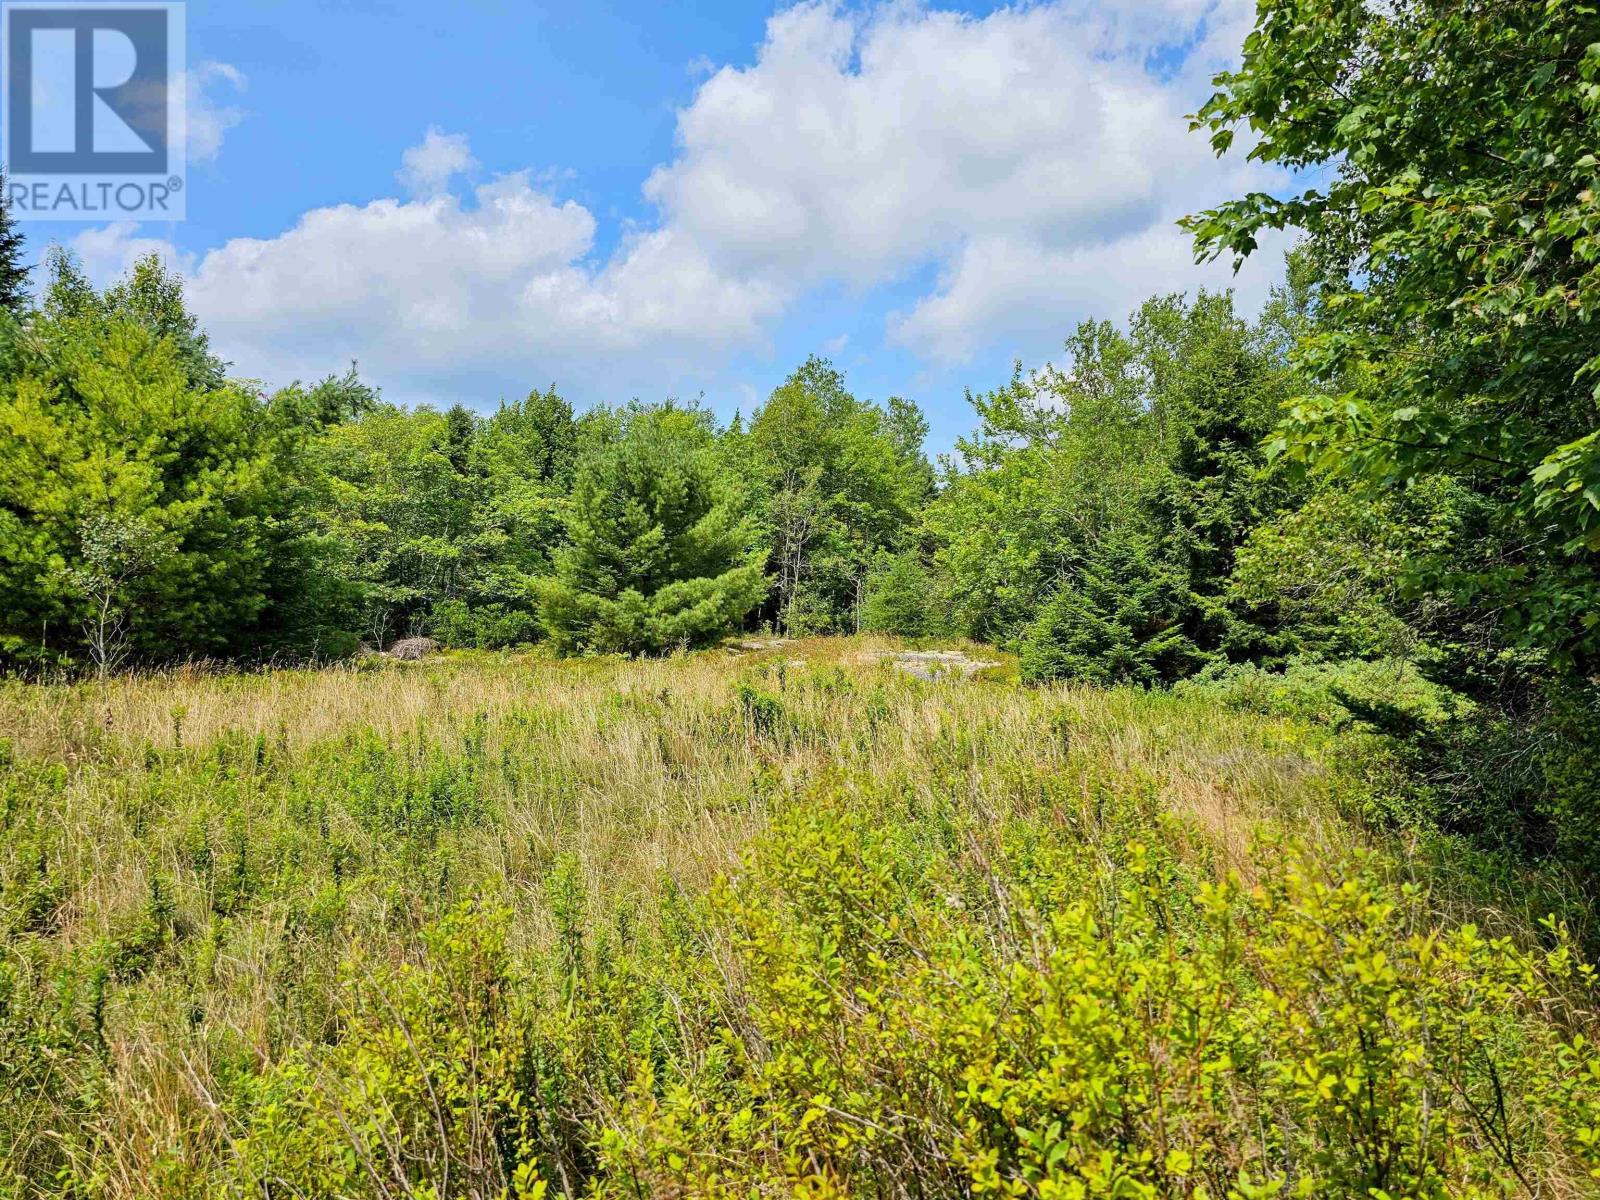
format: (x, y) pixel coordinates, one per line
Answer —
(1571, 768)
(430, 1078)
(963, 1027)
(922, 1002)
(481, 627)
(1335, 694)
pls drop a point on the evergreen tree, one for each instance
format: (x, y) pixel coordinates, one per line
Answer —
(14, 297)
(114, 427)
(152, 296)
(1140, 466)
(661, 554)
(1118, 619)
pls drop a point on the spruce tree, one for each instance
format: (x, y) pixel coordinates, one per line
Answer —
(13, 267)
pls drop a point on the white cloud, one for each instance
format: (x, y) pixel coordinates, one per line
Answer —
(427, 168)
(208, 119)
(861, 151)
(1032, 155)
(1035, 159)
(1030, 295)
(109, 251)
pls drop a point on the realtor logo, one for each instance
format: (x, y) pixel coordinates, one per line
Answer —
(93, 113)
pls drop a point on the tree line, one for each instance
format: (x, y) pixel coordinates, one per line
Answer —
(155, 508)
(152, 508)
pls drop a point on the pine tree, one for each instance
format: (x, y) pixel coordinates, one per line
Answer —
(661, 553)
(14, 297)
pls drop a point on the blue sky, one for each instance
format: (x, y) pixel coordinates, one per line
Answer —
(682, 198)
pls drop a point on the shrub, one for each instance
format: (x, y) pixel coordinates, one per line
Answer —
(1309, 1036)
(427, 1088)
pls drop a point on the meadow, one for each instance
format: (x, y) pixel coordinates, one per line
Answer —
(776, 922)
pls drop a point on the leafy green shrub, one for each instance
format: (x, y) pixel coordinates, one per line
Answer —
(1333, 693)
(429, 1086)
(762, 712)
(1571, 767)
(1307, 1036)
(483, 626)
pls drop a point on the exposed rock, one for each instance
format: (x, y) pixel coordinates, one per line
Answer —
(935, 664)
(412, 649)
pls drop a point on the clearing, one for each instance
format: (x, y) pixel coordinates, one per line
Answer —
(799, 920)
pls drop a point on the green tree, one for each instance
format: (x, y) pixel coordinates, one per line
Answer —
(112, 423)
(523, 457)
(1452, 215)
(152, 296)
(14, 297)
(401, 512)
(661, 550)
(314, 593)
(1143, 457)
(900, 597)
(441, 523)
(837, 481)
(1118, 620)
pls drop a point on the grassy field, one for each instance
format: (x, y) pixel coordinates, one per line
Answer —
(786, 922)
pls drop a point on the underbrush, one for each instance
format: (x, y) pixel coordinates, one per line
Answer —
(790, 923)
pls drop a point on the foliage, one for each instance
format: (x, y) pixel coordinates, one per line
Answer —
(1569, 751)
(660, 554)
(1118, 621)
(1336, 569)
(416, 521)
(115, 414)
(1451, 216)
(13, 265)
(838, 481)
(900, 597)
(1126, 487)
(425, 1081)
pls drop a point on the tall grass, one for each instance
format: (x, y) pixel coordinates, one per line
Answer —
(788, 921)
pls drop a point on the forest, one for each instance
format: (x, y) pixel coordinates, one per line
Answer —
(1262, 860)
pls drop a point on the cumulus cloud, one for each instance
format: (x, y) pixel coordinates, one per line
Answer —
(427, 168)
(861, 151)
(1032, 161)
(1029, 295)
